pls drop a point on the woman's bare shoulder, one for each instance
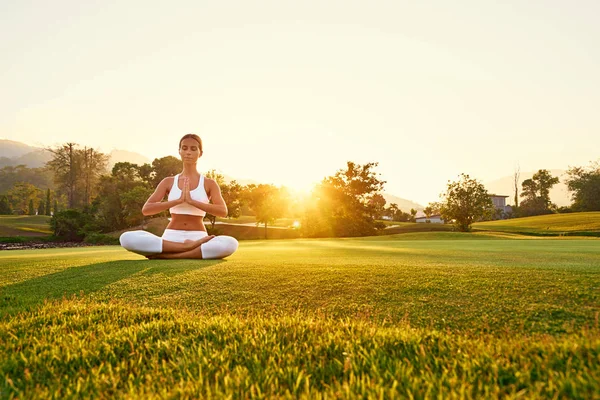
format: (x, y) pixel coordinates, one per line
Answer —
(166, 183)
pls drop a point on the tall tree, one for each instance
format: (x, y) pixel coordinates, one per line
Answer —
(5, 208)
(268, 203)
(465, 202)
(220, 179)
(48, 204)
(343, 203)
(20, 196)
(93, 165)
(536, 194)
(376, 204)
(122, 195)
(584, 183)
(77, 172)
(413, 215)
(516, 178)
(164, 167)
(41, 208)
(428, 212)
(65, 167)
(392, 211)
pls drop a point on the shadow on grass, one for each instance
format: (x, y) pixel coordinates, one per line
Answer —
(87, 279)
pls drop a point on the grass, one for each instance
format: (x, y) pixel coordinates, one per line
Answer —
(250, 219)
(24, 225)
(546, 224)
(422, 315)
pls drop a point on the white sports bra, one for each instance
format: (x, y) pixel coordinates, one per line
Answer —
(198, 194)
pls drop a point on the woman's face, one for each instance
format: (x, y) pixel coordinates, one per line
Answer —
(189, 151)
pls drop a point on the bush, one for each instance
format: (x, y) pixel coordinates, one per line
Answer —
(214, 231)
(100, 238)
(72, 225)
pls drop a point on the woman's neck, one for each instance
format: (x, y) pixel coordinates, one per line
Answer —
(189, 170)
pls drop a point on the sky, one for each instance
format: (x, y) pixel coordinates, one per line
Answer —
(287, 92)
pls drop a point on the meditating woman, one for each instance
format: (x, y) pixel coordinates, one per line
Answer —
(188, 199)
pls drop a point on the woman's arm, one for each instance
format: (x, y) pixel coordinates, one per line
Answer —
(154, 204)
(218, 207)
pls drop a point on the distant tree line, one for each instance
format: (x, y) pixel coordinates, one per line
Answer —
(84, 197)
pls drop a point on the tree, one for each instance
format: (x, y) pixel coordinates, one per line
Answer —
(20, 195)
(344, 203)
(122, 195)
(413, 215)
(233, 195)
(376, 206)
(65, 167)
(585, 185)
(31, 208)
(132, 202)
(516, 177)
(93, 165)
(5, 208)
(392, 211)
(268, 203)
(146, 173)
(428, 211)
(48, 202)
(38, 177)
(220, 180)
(536, 194)
(465, 202)
(77, 172)
(164, 167)
(41, 208)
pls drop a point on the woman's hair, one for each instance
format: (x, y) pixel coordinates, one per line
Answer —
(192, 136)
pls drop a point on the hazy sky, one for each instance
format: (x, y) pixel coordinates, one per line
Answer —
(287, 91)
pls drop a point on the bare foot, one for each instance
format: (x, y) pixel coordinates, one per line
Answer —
(196, 243)
(192, 244)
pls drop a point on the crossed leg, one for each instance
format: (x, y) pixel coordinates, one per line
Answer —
(152, 246)
(194, 252)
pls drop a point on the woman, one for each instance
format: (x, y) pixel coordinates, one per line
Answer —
(188, 199)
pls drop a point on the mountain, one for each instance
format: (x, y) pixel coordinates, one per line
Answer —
(11, 149)
(15, 153)
(559, 193)
(403, 204)
(116, 156)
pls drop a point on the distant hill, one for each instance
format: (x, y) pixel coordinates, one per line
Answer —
(559, 194)
(10, 148)
(15, 153)
(126, 156)
(403, 204)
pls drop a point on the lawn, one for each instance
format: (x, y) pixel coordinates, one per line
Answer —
(546, 224)
(411, 315)
(24, 225)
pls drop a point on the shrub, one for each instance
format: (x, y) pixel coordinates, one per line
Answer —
(100, 238)
(72, 225)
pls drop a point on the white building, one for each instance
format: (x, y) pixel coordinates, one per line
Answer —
(434, 219)
(500, 203)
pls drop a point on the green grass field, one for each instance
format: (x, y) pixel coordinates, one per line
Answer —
(423, 315)
(24, 225)
(543, 224)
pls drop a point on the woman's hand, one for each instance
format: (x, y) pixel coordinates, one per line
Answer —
(182, 198)
(187, 197)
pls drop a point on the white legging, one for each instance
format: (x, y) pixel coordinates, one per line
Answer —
(145, 243)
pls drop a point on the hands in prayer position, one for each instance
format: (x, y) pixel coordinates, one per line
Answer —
(186, 197)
